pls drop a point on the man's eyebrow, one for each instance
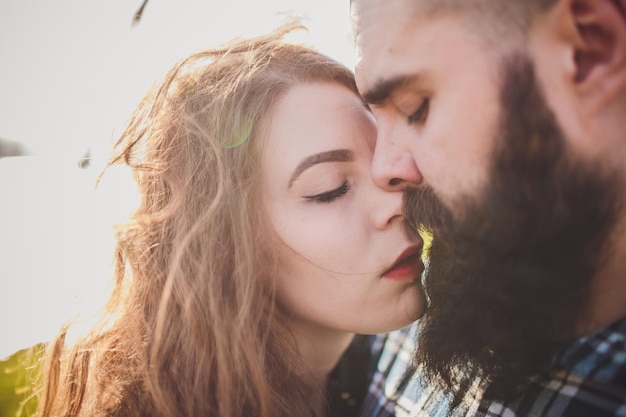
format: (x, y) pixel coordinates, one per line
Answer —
(337, 155)
(383, 89)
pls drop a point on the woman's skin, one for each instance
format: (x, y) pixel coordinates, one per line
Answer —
(341, 238)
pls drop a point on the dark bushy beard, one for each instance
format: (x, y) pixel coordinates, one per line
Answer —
(509, 272)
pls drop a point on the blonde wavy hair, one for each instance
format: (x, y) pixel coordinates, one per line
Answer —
(196, 328)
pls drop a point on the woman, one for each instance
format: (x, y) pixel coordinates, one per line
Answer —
(259, 248)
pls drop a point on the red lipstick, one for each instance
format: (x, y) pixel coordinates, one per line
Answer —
(408, 266)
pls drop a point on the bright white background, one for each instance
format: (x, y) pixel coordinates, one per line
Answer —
(71, 72)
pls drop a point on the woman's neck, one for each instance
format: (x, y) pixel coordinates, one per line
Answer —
(320, 347)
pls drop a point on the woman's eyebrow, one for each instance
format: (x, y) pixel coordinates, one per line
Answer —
(337, 155)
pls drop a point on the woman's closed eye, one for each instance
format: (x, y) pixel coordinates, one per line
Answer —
(329, 196)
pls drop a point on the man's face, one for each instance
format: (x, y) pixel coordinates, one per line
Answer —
(520, 221)
(434, 91)
(511, 268)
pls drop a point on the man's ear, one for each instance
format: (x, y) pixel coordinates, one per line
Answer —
(600, 52)
(578, 48)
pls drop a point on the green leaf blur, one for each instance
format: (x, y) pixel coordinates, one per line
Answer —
(19, 378)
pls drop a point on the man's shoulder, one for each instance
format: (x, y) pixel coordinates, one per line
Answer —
(589, 379)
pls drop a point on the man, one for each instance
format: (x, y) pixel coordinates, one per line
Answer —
(505, 123)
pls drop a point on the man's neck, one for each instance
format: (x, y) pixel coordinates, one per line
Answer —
(608, 292)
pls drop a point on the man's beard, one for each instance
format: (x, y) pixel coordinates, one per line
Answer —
(509, 272)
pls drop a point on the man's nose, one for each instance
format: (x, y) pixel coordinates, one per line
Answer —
(394, 166)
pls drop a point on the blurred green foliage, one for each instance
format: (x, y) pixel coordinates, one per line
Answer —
(20, 375)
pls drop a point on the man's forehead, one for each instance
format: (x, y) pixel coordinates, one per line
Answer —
(390, 43)
(377, 25)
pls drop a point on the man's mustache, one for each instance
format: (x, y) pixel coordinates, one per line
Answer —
(423, 209)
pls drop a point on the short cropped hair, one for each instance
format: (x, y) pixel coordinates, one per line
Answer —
(494, 20)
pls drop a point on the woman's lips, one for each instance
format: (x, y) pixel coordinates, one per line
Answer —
(409, 266)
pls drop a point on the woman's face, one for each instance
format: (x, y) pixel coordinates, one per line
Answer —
(348, 261)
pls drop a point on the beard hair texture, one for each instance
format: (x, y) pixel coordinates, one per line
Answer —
(509, 272)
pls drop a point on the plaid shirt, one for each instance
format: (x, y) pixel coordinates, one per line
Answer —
(588, 379)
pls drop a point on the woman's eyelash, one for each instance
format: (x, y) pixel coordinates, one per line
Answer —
(330, 196)
(421, 113)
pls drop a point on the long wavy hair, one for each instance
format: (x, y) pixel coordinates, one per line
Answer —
(194, 328)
